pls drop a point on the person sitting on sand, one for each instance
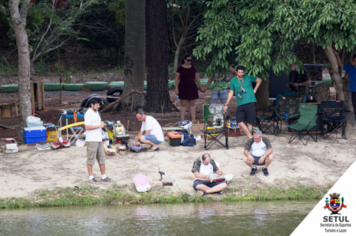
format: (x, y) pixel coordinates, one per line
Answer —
(151, 131)
(258, 151)
(202, 168)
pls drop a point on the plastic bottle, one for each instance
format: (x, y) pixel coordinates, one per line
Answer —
(177, 98)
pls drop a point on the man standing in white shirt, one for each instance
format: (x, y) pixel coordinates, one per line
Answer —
(93, 139)
(258, 152)
(151, 131)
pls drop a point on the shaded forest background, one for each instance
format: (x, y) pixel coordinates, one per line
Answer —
(99, 46)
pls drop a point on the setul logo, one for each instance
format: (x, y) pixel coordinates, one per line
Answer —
(335, 222)
(335, 206)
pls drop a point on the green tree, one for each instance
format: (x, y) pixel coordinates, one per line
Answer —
(50, 28)
(18, 11)
(104, 27)
(184, 18)
(261, 34)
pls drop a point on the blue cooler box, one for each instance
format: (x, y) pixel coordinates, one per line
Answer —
(35, 135)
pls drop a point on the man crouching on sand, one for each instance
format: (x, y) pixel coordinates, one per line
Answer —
(202, 168)
(258, 152)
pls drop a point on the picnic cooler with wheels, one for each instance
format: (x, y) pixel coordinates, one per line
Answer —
(35, 135)
(175, 138)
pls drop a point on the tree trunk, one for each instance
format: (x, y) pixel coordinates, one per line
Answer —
(157, 56)
(262, 94)
(176, 55)
(19, 22)
(342, 88)
(135, 49)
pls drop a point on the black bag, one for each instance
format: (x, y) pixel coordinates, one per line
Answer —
(188, 139)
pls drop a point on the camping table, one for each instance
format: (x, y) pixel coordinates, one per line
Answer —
(67, 116)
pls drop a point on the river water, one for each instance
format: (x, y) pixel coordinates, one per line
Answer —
(243, 218)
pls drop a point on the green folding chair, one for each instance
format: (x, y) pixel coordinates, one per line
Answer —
(306, 123)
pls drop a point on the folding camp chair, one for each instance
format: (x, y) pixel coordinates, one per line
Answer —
(216, 128)
(215, 135)
(266, 121)
(288, 105)
(306, 123)
(334, 121)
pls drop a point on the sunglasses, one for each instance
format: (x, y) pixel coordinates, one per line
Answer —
(189, 60)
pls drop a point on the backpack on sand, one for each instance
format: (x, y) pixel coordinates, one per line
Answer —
(188, 139)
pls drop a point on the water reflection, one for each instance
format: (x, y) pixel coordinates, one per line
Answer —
(246, 218)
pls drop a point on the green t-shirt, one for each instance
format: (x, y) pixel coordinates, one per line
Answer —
(247, 97)
(220, 82)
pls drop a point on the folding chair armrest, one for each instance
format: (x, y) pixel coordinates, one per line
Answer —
(274, 107)
(346, 111)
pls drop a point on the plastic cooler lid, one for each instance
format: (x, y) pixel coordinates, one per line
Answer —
(35, 128)
(174, 135)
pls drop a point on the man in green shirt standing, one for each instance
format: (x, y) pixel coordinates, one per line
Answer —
(241, 87)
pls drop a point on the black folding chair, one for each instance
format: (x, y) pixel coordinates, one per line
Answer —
(287, 104)
(266, 120)
(334, 121)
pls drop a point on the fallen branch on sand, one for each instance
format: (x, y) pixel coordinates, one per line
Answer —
(120, 99)
(7, 127)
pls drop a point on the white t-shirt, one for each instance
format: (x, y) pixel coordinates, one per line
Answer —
(92, 118)
(258, 149)
(206, 169)
(155, 129)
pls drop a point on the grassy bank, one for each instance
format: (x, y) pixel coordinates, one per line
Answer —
(85, 195)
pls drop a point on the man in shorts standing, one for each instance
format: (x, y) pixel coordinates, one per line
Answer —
(93, 139)
(241, 87)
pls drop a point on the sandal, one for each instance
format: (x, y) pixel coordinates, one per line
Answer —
(201, 192)
(157, 149)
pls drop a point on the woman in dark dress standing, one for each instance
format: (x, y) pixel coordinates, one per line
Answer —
(187, 90)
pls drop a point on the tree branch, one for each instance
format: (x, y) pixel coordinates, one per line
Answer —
(24, 10)
(49, 26)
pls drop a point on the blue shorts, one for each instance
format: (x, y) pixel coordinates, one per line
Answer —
(218, 94)
(151, 138)
(255, 162)
(207, 183)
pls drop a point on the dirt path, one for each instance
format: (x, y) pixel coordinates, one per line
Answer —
(319, 163)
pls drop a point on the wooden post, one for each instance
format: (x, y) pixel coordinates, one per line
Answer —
(43, 96)
(39, 99)
(17, 110)
(32, 97)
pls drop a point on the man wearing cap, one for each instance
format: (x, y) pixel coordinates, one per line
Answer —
(93, 139)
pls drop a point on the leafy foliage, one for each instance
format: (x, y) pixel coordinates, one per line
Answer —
(261, 34)
(105, 25)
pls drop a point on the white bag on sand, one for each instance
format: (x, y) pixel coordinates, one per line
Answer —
(80, 143)
(33, 119)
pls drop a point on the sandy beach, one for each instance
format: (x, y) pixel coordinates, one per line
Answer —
(321, 163)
